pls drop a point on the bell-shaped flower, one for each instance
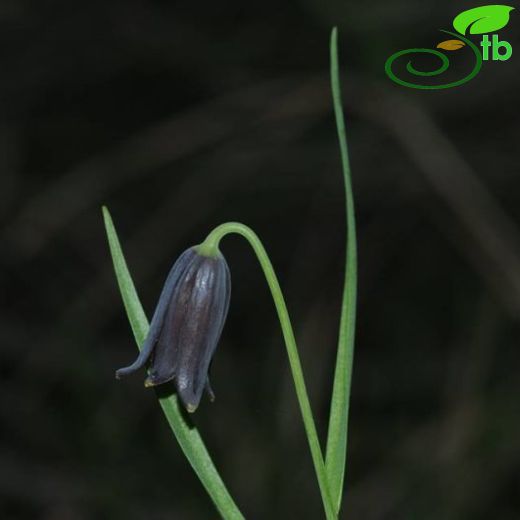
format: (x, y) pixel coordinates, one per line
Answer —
(186, 326)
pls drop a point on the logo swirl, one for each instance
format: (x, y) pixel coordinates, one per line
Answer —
(445, 63)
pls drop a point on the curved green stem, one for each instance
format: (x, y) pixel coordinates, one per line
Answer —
(210, 248)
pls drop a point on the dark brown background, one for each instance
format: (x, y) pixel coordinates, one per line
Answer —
(180, 116)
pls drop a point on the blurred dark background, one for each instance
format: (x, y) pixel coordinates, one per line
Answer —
(180, 116)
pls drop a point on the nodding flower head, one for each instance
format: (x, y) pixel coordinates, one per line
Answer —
(186, 326)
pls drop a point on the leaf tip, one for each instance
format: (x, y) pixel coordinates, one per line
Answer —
(106, 216)
(334, 37)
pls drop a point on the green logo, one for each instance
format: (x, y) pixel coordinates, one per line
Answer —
(480, 20)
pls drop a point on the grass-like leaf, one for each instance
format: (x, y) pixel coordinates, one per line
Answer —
(336, 453)
(187, 435)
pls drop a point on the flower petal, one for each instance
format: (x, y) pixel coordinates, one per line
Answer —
(176, 273)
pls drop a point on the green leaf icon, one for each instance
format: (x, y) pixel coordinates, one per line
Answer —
(484, 19)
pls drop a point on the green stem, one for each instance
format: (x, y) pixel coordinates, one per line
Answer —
(210, 248)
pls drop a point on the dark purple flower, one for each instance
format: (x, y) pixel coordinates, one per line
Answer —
(186, 326)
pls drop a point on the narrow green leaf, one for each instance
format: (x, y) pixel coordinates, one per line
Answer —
(483, 19)
(336, 453)
(187, 435)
